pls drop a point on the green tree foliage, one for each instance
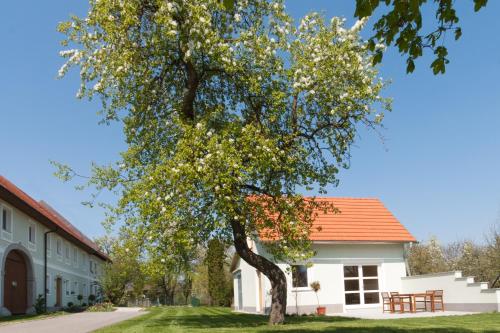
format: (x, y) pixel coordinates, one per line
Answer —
(123, 272)
(427, 258)
(226, 113)
(219, 288)
(479, 260)
(402, 24)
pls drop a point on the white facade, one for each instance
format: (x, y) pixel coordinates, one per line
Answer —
(383, 263)
(70, 267)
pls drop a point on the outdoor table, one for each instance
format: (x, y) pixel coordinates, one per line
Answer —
(413, 300)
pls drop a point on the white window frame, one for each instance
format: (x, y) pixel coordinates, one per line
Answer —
(361, 290)
(74, 289)
(31, 232)
(59, 246)
(75, 256)
(309, 278)
(7, 234)
(67, 253)
(66, 287)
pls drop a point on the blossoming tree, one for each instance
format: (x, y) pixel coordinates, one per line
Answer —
(228, 113)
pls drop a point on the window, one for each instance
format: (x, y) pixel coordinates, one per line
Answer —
(75, 288)
(66, 252)
(32, 233)
(49, 245)
(75, 256)
(6, 219)
(361, 284)
(84, 290)
(299, 276)
(91, 267)
(66, 287)
(59, 247)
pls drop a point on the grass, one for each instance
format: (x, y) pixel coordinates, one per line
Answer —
(205, 319)
(26, 317)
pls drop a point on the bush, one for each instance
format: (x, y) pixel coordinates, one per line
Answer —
(79, 298)
(101, 307)
(70, 304)
(39, 304)
(84, 304)
(91, 299)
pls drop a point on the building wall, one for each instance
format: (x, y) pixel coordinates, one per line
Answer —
(74, 269)
(327, 268)
(459, 293)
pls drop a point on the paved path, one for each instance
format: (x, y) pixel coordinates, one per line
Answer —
(376, 313)
(72, 323)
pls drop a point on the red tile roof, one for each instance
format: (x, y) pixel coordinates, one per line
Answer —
(358, 219)
(48, 216)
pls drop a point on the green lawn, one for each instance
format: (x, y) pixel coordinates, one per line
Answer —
(205, 319)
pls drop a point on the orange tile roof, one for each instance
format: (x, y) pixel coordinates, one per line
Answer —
(46, 215)
(358, 219)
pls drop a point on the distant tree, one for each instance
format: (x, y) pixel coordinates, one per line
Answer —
(217, 281)
(123, 271)
(426, 258)
(187, 287)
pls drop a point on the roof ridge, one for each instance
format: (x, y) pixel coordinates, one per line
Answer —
(51, 214)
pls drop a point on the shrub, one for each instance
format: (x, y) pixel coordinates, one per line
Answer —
(39, 304)
(80, 298)
(70, 304)
(101, 307)
(91, 299)
(84, 304)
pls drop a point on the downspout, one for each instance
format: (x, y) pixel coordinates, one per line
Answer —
(406, 247)
(45, 267)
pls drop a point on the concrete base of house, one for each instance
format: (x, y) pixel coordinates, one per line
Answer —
(31, 310)
(472, 307)
(4, 312)
(311, 309)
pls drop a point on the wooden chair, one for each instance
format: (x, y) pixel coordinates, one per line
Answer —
(429, 300)
(400, 301)
(387, 302)
(420, 302)
(437, 299)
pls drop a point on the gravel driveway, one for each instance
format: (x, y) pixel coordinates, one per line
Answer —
(73, 323)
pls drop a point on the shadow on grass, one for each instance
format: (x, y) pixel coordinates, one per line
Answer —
(223, 319)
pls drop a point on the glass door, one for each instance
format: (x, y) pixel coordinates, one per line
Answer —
(361, 285)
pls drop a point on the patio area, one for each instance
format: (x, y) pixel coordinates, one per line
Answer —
(376, 313)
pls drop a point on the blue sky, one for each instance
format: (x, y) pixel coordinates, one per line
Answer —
(437, 169)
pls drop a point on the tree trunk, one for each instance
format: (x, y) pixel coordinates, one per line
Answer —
(268, 268)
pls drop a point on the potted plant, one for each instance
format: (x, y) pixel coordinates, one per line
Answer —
(320, 310)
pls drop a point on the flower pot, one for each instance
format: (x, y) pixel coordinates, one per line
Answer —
(321, 310)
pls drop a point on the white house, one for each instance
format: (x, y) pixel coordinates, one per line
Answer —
(360, 251)
(39, 247)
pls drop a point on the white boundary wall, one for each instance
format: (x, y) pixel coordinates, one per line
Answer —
(460, 293)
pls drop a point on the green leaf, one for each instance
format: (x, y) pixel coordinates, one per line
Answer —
(229, 4)
(410, 67)
(377, 58)
(365, 8)
(458, 33)
(478, 4)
